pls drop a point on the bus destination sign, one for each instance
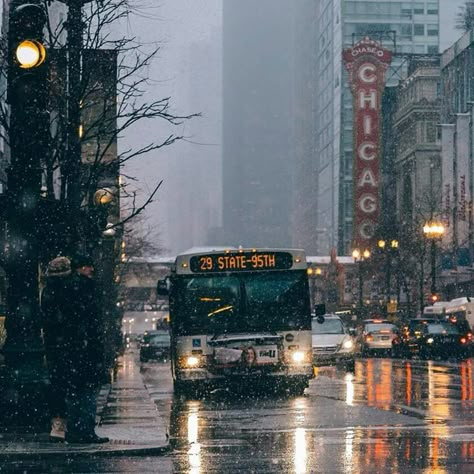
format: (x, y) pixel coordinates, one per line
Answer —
(241, 261)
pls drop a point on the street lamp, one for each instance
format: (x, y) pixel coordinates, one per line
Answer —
(433, 231)
(359, 256)
(388, 246)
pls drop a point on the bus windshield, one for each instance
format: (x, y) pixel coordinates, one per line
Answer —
(258, 301)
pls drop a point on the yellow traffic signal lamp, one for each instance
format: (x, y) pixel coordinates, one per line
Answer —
(30, 54)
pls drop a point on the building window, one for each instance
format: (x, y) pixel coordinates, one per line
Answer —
(431, 132)
(432, 9)
(432, 30)
(433, 49)
(419, 29)
(418, 8)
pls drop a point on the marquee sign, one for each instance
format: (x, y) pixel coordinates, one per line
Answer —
(366, 63)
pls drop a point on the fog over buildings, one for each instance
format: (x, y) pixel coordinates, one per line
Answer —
(191, 69)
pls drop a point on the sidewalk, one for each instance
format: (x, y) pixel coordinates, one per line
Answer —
(127, 414)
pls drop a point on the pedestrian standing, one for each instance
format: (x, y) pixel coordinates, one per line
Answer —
(55, 314)
(85, 354)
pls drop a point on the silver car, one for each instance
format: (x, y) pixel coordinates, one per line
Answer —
(332, 342)
(377, 336)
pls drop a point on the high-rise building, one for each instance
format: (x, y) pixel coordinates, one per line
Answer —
(258, 155)
(406, 28)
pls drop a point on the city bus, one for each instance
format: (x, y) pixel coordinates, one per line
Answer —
(240, 315)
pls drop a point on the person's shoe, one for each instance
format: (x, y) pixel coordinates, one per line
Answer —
(89, 439)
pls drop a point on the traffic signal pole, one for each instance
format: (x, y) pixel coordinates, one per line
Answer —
(75, 30)
(24, 380)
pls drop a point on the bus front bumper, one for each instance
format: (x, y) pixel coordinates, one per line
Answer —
(202, 374)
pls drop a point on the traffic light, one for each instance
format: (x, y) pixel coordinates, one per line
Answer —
(27, 90)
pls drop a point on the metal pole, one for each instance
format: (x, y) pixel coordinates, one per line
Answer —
(74, 49)
(24, 381)
(433, 266)
(361, 289)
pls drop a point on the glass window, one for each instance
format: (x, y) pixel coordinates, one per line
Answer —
(433, 49)
(443, 328)
(432, 30)
(419, 29)
(329, 326)
(406, 29)
(418, 8)
(253, 301)
(432, 9)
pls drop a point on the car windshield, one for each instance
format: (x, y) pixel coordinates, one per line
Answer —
(377, 327)
(219, 304)
(445, 328)
(329, 326)
(157, 339)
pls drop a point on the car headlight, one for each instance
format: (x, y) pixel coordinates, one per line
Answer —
(348, 344)
(297, 356)
(429, 340)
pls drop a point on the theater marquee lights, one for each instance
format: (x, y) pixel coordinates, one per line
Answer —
(366, 63)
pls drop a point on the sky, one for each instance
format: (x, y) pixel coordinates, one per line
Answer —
(448, 11)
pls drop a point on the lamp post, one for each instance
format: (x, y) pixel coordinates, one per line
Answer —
(389, 247)
(359, 256)
(433, 231)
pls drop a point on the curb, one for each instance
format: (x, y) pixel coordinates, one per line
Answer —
(74, 452)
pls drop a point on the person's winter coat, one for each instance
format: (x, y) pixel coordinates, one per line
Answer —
(55, 313)
(85, 338)
(73, 331)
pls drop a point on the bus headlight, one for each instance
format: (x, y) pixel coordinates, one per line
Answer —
(192, 361)
(298, 357)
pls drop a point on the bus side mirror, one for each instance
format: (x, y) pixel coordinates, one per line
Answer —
(320, 309)
(163, 287)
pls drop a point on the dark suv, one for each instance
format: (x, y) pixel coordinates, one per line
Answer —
(155, 345)
(433, 338)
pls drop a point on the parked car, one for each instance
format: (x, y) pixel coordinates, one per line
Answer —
(437, 339)
(333, 343)
(376, 336)
(155, 345)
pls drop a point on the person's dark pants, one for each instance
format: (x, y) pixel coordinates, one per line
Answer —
(81, 410)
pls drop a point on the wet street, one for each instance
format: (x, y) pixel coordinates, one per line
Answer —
(389, 416)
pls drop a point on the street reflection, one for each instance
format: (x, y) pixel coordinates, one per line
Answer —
(327, 432)
(349, 389)
(349, 452)
(301, 454)
(194, 452)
